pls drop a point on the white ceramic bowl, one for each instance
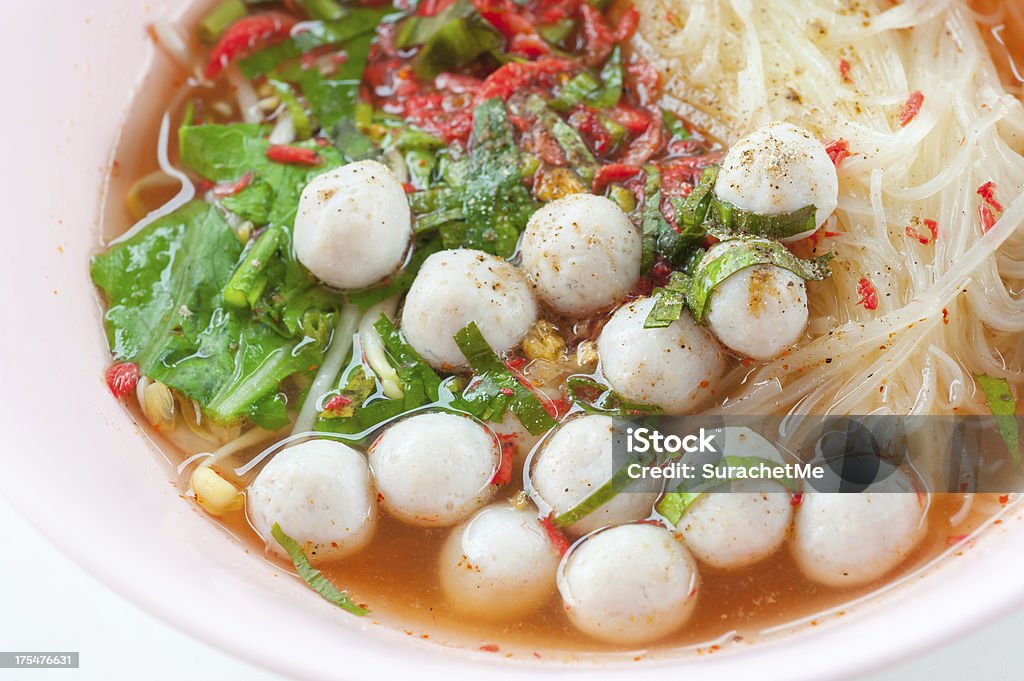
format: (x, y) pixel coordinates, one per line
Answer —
(78, 468)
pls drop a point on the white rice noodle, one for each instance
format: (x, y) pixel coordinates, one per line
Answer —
(948, 309)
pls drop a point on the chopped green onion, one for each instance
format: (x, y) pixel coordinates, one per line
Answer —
(611, 80)
(555, 33)
(313, 577)
(248, 281)
(219, 18)
(303, 128)
(575, 91)
(1004, 407)
(526, 406)
(676, 128)
(623, 198)
(744, 254)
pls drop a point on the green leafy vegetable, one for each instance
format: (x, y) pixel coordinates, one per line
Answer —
(313, 577)
(455, 45)
(740, 255)
(333, 98)
(596, 398)
(252, 203)
(669, 302)
(416, 30)
(497, 388)
(495, 202)
(652, 222)
(356, 22)
(167, 313)
(1004, 407)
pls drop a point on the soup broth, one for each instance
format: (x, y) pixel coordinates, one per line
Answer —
(396, 575)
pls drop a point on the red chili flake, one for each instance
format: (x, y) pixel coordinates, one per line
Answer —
(613, 172)
(747, 362)
(408, 187)
(515, 363)
(868, 294)
(337, 403)
(503, 474)
(838, 150)
(321, 141)
(988, 220)
(933, 227)
(911, 107)
(796, 498)
(283, 153)
(914, 234)
(507, 391)
(232, 189)
(529, 46)
(122, 378)
(704, 384)
(954, 539)
(945, 316)
(555, 535)
(244, 35)
(987, 192)
(489, 648)
(844, 70)
(1004, 499)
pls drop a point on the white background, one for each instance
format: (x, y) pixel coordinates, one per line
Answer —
(47, 603)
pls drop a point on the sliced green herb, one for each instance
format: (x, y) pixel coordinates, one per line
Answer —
(495, 202)
(741, 255)
(1004, 407)
(596, 398)
(313, 577)
(674, 505)
(611, 82)
(669, 302)
(498, 388)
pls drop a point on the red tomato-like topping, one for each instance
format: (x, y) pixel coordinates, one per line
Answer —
(299, 156)
(122, 378)
(244, 35)
(838, 151)
(613, 172)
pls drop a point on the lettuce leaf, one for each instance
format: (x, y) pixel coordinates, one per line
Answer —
(167, 313)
